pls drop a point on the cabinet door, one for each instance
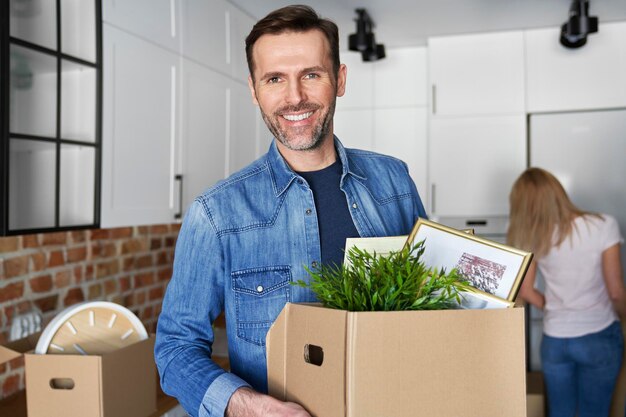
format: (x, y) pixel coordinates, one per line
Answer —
(400, 79)
(139, 131)
(590, 77)
(401, 132)
(243, 137)
(240, 25)
(155, 20)
(477, 74)
(473, 163)
(204, 128)
(206, 33)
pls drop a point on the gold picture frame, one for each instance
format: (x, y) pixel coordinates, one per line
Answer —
(493, 269)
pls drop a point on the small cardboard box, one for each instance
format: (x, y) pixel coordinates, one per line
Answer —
(121, 383)
(535, 395)
(446, 363)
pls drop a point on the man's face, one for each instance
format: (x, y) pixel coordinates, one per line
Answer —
(295, 87)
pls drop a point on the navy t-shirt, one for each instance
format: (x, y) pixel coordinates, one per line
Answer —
(333, 215)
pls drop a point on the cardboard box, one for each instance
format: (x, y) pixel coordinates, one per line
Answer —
(446, 363)
(121, 383)
(535, 395)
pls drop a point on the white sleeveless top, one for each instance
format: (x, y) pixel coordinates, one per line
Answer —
(577, 301)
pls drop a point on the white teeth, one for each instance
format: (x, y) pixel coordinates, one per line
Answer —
(297, 117)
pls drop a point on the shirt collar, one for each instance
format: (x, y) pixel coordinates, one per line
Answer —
(283, 175)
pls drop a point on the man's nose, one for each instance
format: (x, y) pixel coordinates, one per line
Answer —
(295, 93)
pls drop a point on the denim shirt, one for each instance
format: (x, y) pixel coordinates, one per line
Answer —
(240, 246)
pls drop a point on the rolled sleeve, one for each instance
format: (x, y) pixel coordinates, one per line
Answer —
(218, 394)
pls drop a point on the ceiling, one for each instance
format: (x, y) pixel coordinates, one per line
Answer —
(410, 22)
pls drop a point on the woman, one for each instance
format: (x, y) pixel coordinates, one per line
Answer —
(578, 255)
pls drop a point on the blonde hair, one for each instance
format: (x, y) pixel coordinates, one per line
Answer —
(541, 213)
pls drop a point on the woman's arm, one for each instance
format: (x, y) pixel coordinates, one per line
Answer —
(528, 292)
(612, 271)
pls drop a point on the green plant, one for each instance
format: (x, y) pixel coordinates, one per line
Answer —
(399, 281)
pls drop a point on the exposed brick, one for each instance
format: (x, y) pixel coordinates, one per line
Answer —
(30, 241)
(143, 280)
(110, 286)
(144, 262)
(163, 258)
(89, 271)
(56, 258)
(121, 232)
(78, 274)
(62, 279)
(176, 227)
(103, 249)
(41, 284)
(146, 314)
(99, 234)
(38, 261)
(129, 263)
(78, 236)
(94, 291)
(3, 368)
(170, 242)
(48, 303)
(2, 269)
(14, 267)
(73, 296)
(56, 238)
(9, 244)
(143, 230)
(155, 293)
(107, 268)
(156, 243)
(133, 246)
(11, 291)
(76, 254)
(118, 299)
(140, 298)
(11, 385)
(124, 284)
(159, 229)
(164, 274)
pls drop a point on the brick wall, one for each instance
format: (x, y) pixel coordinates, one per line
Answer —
(129, 266)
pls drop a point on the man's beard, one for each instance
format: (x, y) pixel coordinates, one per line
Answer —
(292, 142)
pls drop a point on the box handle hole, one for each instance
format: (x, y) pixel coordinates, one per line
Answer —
(313, 354)
(62, 383)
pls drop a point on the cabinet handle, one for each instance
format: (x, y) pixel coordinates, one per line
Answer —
(179, 215)
(173, 18)
(434, 98)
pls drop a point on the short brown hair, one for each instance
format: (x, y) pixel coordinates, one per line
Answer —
(295, 18)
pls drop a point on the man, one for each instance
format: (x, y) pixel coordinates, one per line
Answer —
(247, 238)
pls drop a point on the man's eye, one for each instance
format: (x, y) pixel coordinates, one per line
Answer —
(311, 76)
(273, 80)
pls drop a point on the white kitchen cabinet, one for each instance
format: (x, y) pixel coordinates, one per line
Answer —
(473, 164)
(204, 128)
(590, 77)
(355, 128)
(479, 74)
(402, 132)
(400, 78)
(206, 33)
(157, 21)
(359, 92)
(240, 25)
(243, 134)
(139, 131)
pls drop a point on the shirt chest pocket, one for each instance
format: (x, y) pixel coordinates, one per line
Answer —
(260, 295)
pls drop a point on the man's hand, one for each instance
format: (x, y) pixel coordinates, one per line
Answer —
(246, 402)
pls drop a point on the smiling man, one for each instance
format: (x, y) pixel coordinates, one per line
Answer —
(249, 236)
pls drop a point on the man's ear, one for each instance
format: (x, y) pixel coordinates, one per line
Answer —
(252, 91)
(342, 74)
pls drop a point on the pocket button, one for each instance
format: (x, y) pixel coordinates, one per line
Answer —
(259, 288)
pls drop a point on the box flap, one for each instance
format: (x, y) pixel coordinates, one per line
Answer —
(476, 357)
(15, 349)
(129, 380)
(62, 382)
(312, 351)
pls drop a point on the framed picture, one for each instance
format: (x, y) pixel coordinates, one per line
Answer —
(493, 269)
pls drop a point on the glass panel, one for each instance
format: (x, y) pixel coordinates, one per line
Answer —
(78, 28)
(35, 21)
(78, 102)
(78, 168)
(32, 168)
(33, 92)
